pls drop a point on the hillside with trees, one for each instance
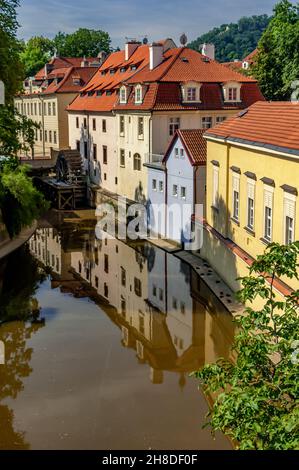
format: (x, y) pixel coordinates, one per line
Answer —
(235, 40)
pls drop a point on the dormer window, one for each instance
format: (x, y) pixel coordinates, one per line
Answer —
(191, 92)
(99, 93)
(103, 72)
(109, 92)
(138, 94)
(123, 69)
(133, 67)
(76, 81)
(123, 95)
(112, 71)
(231, 92)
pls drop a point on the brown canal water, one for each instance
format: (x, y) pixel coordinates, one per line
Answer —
(100, 338)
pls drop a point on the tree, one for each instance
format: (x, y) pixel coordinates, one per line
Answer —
(277, 63)
(83, 42)
(37, 52)
(235, 40)
(256, 401)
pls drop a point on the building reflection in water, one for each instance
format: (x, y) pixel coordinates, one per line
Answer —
(20, 319)
(163, 309)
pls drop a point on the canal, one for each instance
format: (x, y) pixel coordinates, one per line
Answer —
(100, 338)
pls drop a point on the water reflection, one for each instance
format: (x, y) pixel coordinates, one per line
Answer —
(119, 318)
(164, 310)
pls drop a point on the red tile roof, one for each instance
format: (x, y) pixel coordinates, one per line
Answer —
(63, 62)
(274, 125)
(162, 85)
(194, 143)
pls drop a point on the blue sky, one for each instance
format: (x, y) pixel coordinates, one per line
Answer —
(134, 18)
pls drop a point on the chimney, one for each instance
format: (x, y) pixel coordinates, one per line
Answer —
(131, 47)
(208, 50)
(48, 68)
(84, 62)
(156, 55)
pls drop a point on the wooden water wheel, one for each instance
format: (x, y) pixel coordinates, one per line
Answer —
(69, 167)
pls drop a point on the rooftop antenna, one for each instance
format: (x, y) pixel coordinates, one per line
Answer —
(183, 39)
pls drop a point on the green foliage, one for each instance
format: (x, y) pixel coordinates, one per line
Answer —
(256, 401)
(83, 42)
(36, 53)
(21, 203)
(234, 40)
(13, 126)
(277, 64)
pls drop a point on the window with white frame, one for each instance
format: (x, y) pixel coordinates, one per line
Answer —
(183, 192)
(289, 218)
(220, 119)
(206, 122)
(236, 196)
(154, 185)
(138, 94)
(191, 94)
(123, 95)
(175, 190)
(215, 199)
(232, 92)
(174, 125)
(268, 213)
(250, 204)
(176, 152)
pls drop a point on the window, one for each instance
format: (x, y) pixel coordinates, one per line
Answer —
(174, 125)
(122, 125)
(183, 308)
(232, 94)
(40, 134)
(176, 152)
(268, 213)
(138, 94)
(183, 192)
(105, 156)
(161, 295)
(31, 108)
(95, 151)
(140, 127)
(236, 196)
(85, 150)
(85, 123)
(49, 109)
(77, 122)
(154, 185)
(182, 153)
(215, 201)
(122, 158)
(220, 119)
(106, 290)
(174, 303)
(45, 109)
(289, 215)
(35, 109)
(46, 136)
(94, 124)
(161, 186)
(123, 277)
(96, 280)
(106, 263)
(191, 94)
(55, 137)
(175, 190)
(50, 136)
(54, 108)
(104, 128)
(154, 291)
(123, 95)
(137, 287)
(40, 109)
(137, 162)
(250, 205)
(78, 145)
(206, 122)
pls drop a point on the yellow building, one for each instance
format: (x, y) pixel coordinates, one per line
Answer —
(46, 98)
(252, 188)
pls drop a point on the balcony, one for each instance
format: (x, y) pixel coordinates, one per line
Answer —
(155, 158)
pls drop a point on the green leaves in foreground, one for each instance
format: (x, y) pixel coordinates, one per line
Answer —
(256, 402)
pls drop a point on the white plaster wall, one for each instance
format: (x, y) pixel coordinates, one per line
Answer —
(156, 202)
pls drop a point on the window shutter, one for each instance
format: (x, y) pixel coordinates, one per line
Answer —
(289, 208)
(236, 183)
(268, 199)
(250, 191)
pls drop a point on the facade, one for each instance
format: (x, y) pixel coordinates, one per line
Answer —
(177, 185)
(148, 92)
(252, 188)
(47, 96)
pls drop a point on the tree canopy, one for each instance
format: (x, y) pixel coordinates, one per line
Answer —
(83, 42)
(36, 52)
(235, 40)
(257, 395)
(277, 64)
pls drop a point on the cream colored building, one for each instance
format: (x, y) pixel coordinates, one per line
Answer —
(46, 99)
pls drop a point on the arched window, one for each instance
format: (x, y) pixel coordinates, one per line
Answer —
(137, 162)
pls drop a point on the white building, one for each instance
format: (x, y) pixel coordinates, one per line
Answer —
(177, 185)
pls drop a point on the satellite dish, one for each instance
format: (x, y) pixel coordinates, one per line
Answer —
(183, 39)
(145, 41)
